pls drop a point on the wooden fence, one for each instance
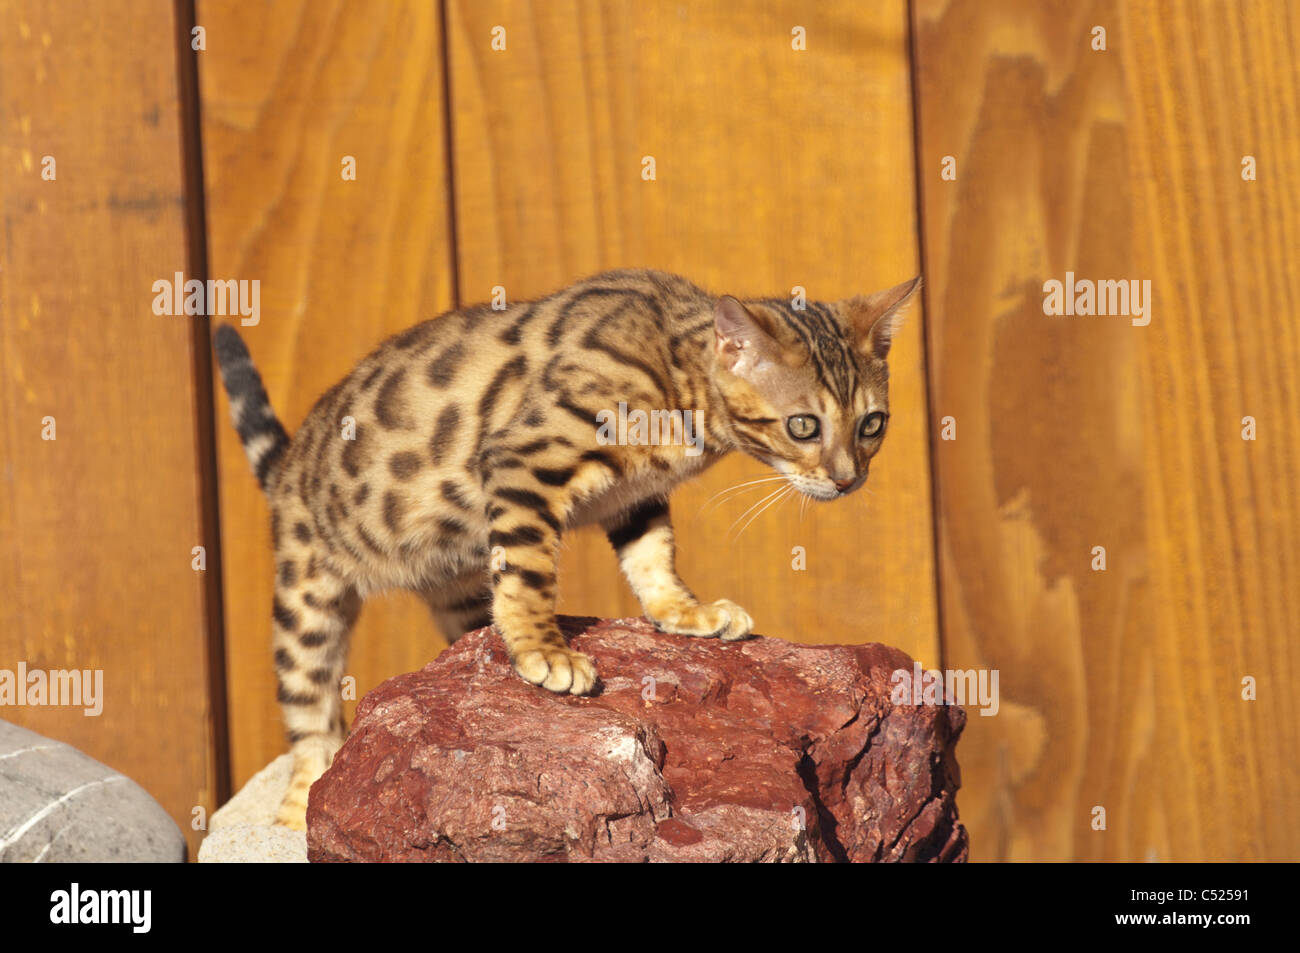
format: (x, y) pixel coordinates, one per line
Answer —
(840, 146)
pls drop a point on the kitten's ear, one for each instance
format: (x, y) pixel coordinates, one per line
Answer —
(743, 338)
(876, 317)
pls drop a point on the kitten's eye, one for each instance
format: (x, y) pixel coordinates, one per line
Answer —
(873, 425)
(803, 426)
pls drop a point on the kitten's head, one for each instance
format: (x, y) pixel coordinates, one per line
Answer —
(807, 391)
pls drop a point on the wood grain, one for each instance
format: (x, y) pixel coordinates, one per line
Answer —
(97, 525)
(1120, 689)
(774, 168)
(288, 89)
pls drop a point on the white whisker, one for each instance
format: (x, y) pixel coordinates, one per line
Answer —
(735, 490)
(754, 507)
(783, 493)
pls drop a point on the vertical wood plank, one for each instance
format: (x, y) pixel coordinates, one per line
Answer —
(775, 168)
(97, 525)
(1120, 689)
(288, 89)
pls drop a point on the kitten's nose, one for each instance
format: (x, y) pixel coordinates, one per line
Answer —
(843, 485)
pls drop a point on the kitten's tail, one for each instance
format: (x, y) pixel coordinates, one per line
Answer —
(263, 435)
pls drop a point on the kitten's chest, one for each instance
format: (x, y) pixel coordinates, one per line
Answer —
(645, 484)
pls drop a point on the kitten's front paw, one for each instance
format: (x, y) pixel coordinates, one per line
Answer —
(722, 619)
(557, 668)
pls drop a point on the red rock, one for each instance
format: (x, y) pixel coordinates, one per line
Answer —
(694, 749)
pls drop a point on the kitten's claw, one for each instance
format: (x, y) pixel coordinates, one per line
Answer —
(739, 624)
(557, 669)
(722, 619)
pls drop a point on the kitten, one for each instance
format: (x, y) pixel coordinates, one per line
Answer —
(453, 457)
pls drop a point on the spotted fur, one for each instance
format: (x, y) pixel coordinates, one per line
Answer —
(451, 460)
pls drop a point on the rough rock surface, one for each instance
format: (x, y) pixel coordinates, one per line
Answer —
(693, 750)
(243, 829)
(58, 805)
(253, 844)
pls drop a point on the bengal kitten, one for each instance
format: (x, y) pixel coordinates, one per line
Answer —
(453, 457)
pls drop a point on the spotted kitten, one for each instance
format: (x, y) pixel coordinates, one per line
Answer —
(453, 457)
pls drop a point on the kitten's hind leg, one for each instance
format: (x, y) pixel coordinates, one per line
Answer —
(314, 611)
(460, 603)
(643, 539)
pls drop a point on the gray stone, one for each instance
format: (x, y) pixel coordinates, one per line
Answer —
(243, 830)
(58, 805)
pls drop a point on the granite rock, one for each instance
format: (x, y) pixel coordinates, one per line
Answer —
(58, 805)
